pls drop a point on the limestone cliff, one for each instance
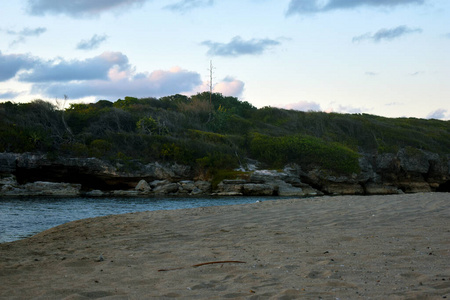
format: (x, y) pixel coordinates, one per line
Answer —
(407, 171)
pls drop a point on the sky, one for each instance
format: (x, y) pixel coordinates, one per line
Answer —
(383, 57)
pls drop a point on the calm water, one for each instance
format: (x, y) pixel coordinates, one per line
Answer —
(24, 217)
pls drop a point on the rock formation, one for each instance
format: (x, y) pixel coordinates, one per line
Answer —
(407, 171)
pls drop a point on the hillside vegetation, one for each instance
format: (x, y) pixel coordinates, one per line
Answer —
(220, 135)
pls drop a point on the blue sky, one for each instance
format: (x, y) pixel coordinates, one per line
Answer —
(382, 57)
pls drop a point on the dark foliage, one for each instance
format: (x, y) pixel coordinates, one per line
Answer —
(213, 133)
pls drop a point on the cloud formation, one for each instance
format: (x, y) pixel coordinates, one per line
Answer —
(237, 47)
(332, 107)
(345, 109)
(186, 5)
(61, 70)
(349, 109)
(11, 64)
(79, 7)
(439, 114)
(93, 43)
(316, 6)
(230, 86)
(28, 31)
(106, 75)
(303, 106)
(25, 33)
(387, 34)
(417, 73)
(156, 84)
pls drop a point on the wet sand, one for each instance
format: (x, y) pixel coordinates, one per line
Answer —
(349, 247)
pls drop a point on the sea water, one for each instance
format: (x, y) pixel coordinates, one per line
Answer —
(26, 216)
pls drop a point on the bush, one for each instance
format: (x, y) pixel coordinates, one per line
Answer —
(15, 139)
(304, 150)
(206, 136)
(147, 125)
(99, 148)
(216, 165)
(178, 153)
(193, 131)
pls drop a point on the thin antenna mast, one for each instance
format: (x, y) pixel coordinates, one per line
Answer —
(210, 81)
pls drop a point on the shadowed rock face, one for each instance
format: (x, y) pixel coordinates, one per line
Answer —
(83, 176)
(408, 170)
(444, 188)
(91, 173)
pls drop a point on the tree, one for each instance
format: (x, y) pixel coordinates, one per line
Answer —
(147, 125)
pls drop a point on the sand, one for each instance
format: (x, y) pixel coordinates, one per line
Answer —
(349, 247)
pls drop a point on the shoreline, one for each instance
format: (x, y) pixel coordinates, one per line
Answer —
(27, 216)
(395, 247)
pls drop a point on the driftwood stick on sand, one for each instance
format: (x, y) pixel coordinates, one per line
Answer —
(206, 263)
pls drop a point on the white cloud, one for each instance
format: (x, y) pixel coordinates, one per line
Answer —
(387, 34)
(155, 84)
(28, 31)
(25, 33)
(345, 109)
(186, 5)
(61, 70)
(77, 8)
(230, 87)
(439, 114)
(417, 73)
(350, 109)
(303, 106)
(93, 43)
(107, 75)
(11, 64)
(237, 47)
(317, 6)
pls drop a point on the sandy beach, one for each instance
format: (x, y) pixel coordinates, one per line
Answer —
(349, 247)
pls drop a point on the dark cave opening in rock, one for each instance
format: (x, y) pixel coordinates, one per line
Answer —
(74, 175)
(444, 187)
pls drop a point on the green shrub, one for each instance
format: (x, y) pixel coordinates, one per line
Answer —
(193, 131)
(14, 139)
(215, 165)
(76, 149)
(304, 150)
(178, 153)
(147, 125)
(99, 148)
(206, 136)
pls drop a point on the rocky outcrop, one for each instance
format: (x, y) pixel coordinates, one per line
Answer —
(164, 187)
(381, 189)
(268, 183)
(8, 163)
(412, 170)
(10, 187)
(143, 186)
(407, 171)
(91, 173)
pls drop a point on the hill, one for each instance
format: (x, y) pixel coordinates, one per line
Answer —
(214, 135)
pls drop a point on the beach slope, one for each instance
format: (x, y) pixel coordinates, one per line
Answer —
(347, 247)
